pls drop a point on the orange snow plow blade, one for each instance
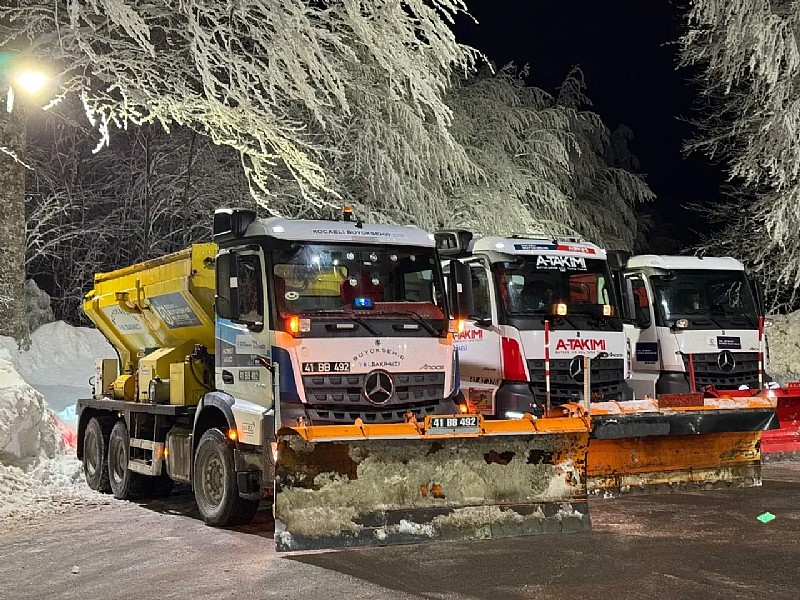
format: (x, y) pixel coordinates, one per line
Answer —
(677, 443)
(364, 485)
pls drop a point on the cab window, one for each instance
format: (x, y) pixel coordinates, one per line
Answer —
(480, 293)
(251, 298)
(641, 304)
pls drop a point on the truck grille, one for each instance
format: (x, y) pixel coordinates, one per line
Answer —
(707, 370)
(339, 398)
(607, 380)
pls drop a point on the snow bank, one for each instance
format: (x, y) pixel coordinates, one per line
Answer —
(37, 464)
(784, 348)
(59, 362)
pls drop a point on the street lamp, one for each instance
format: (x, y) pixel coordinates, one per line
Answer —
(31, 81)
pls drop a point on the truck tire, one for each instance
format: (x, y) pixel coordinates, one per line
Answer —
(124, 482)
(95, 454)
(214, 482)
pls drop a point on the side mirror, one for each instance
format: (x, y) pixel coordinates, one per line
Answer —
(460, 290)
(618, 259)
(232, 222)
(226, 299)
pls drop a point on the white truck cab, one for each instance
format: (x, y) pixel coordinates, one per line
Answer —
(537, 300)
(354, 315)
(692, 323)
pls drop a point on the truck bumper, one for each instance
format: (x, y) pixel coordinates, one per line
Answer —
(673, 383)
(516, 397)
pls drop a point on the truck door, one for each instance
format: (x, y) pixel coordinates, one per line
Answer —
(244, 345)
(642, 336)
(479, 344)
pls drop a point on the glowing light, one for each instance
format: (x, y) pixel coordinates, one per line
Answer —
(363, 303)
(232, 435)
(293, 324)
(31, 81)
(457, 325)
(274, 446)
(560, 309)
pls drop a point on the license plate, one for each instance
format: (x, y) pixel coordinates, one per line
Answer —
(444, 424)
(326, 367)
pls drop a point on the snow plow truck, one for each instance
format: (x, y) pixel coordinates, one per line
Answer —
(547, 329)
(697, 324)
(312, 364)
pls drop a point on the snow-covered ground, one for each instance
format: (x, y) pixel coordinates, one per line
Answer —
(38, 469)
(39, 473)
(59, 362)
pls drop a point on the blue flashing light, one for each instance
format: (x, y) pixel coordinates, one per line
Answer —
(365, 303)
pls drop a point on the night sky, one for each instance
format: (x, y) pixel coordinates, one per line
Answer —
(624, 49)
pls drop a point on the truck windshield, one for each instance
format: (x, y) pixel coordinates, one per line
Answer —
(533, 284)
(375, 280)
(695, 294)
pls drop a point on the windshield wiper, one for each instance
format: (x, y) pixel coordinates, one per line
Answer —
(734, 313)
(417, 318)
(346, 315)
(545, 314)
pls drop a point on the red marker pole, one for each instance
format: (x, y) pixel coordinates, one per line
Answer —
(547, 366)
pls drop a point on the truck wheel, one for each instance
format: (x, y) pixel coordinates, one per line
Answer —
(95, 454)
(215, 488)
(124, 482)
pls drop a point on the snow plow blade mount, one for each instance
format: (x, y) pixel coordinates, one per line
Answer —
(374, 485)
(641, 447)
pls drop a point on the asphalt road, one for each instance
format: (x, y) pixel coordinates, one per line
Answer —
(693, 545)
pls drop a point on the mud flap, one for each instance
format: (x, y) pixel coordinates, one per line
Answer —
(377, 490)
(667, 451)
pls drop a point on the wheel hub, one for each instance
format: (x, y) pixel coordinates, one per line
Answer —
(213, 480)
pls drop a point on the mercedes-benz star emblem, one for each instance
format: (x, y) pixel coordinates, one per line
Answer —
(726, 361)
(378, 387)
(576, 369)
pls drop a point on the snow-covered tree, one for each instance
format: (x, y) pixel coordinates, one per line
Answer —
(749, 74)
(260, 76)
(148, 194)
(545, 162)
(13, 321)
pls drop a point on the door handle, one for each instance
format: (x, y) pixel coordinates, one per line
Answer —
(227, 377)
